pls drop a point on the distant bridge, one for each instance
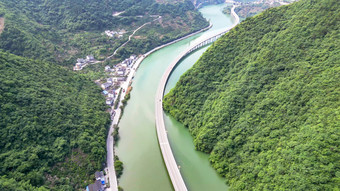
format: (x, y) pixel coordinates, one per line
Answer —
(212, 38)
(206, 42)
(168, 157)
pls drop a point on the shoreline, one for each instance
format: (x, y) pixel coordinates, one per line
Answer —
(138, 62)
(110, 142)
(163, 141)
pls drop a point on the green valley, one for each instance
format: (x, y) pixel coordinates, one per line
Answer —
(264, 100)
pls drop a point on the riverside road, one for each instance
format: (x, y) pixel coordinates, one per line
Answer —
(168, 157)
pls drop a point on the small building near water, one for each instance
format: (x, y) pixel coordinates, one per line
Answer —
(106, 85)
(97, 186)
(100, 177)
(111, 93)
(121, 79)
(121, 73)
(109, 101)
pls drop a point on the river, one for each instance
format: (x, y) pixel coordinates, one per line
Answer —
(138, 148)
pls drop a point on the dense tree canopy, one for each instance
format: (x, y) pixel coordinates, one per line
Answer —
(49, 114)
(264, 100)
(73, 14)
(62, 30)
(53, 124)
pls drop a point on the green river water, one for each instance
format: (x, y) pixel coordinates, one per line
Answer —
(138, 148)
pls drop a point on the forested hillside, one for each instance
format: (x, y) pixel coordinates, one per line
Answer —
(200, 3)
(61, 31)
(264, 100)
(53, 126)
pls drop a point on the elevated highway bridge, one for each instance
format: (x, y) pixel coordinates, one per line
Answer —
(168, 157)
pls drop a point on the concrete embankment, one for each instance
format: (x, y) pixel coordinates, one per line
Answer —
(110, 142)
(169, 160)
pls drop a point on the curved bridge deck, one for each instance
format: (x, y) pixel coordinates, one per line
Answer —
(169, 160)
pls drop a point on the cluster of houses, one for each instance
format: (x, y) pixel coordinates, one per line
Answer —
(81, 62)
(118, 75)
(114, 33)
(268, 2)
(99, 184)
(110, 96)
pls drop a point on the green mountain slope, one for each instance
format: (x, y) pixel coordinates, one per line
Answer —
(264, 100)
(60, 31)
(53, 125)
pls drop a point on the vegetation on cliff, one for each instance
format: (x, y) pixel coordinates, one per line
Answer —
(251, 8)
(53, 125)
(264, 100)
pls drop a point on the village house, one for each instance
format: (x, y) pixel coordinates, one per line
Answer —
(110, 33)
(81, 60)
(81, 63)
(114, 79)
(109, 80)
(133, 57)
(97, 186)
(106, 85)
(109, 101)
(105, 92)
(111, 94)
(78, 66)
(121, 79)
(89, 58)
(127, 62)
(107, 68)
(127, 71)
(100, 176)
(124, 65)
(120, 72)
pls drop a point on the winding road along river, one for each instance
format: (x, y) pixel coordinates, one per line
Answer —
(138, 148)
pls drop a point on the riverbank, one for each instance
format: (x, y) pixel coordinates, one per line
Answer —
(80, 66)
(138, 147)
(169, 159)
(112, 178)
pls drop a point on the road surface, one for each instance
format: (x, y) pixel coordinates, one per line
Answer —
(115, 52)
(110, 142)
(169, 160)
